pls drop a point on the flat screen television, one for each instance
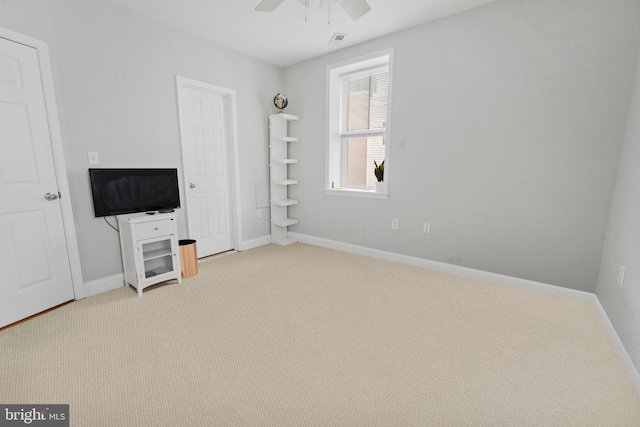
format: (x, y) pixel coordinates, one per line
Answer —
(122, 191)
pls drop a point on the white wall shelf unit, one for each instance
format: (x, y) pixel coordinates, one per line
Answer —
(279, 161)
(149, 245)
(285, 202)
(285, 182)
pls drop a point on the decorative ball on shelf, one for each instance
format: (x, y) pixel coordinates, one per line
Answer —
(280, 101)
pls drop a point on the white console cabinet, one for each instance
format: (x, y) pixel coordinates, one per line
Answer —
(280, 182)
(149, 245)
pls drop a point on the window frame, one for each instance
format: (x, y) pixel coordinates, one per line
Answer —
(336, 139)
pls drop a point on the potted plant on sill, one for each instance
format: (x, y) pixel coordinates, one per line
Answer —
(379, 173)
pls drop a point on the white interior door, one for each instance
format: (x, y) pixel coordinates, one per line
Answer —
(33, 252)
(205, 152)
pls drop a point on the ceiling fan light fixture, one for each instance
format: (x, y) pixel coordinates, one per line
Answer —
(354, 8)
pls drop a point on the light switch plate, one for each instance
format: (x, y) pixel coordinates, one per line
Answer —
(94, 159)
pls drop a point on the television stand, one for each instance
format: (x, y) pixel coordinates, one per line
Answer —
(168, 210)
(149, 245)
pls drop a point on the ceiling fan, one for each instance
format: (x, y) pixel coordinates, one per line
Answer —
(354, 8)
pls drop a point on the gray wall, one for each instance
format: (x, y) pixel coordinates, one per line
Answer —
(30, 17)
(506, 132)
(622, 246)
(115, 80)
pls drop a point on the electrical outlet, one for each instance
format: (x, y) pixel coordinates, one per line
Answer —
(426, 228)
(621, 276)
(259, 213)
(395, 224)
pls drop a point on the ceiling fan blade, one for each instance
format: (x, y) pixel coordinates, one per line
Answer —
(355, 8)
(268, 5)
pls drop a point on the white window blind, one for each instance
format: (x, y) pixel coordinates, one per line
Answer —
(365, 98)
(363, 125)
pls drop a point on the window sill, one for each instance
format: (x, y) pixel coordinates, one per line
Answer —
(366, 194)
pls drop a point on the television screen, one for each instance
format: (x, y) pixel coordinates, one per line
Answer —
(121, 191)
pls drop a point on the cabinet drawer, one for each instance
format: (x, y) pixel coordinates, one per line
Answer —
(154, 229)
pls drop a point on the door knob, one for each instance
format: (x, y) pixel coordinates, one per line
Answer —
(192, 185)
(50, 196)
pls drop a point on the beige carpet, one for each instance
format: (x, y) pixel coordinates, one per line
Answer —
(306, 336)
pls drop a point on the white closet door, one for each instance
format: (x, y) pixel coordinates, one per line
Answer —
(33, 252)
(205, 148)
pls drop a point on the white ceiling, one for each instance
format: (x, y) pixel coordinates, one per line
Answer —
(283, 37)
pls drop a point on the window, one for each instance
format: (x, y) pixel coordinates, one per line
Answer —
(358, 99)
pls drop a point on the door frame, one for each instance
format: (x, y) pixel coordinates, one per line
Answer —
(55, 136)
(230, 105)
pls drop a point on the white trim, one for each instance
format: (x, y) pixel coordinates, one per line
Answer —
(58, 155)
(491, 277)
(255, 243)
(446, 268)
(231, 104)
(617, 343)
(333, 117)
(105, 284)
(367, 133)
(350, 192)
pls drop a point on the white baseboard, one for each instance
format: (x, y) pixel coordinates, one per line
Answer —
(105, 284)
(445, 268)
(490, 277)
(254, 243)
(617, 343)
